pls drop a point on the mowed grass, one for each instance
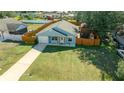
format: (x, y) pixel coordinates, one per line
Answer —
(64, 63)
(10, 53)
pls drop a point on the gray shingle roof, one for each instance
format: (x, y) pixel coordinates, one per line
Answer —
(120, 39)
(50, 32)
(63, 25)
(67, 26)
(9, 24)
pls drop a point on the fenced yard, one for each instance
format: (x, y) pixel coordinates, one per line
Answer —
(32, 27)
(30, 37)
(88, 42)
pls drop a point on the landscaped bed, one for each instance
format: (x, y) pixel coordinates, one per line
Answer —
(80, 63)
(10, 53)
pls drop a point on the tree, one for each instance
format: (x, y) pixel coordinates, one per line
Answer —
(79, 16)
(101, 21)
(7, 13)
(120, 70)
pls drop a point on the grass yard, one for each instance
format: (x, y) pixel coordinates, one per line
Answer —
(80, 63)
(33, 26)
(11, 53)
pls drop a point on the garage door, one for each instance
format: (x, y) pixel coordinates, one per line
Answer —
(43, 39)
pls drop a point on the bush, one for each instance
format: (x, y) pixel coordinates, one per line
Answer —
(74, 22)
(120, 70)
(1, 16)
(18, 18)
(29, 17)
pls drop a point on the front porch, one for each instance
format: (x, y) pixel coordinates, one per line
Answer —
(60, 41)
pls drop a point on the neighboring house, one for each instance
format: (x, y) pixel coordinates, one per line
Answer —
(118, 36)
(12, 29)
(119, 39)
(53, 14)
(62, 34)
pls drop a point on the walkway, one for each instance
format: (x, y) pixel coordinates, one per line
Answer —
(16, 71)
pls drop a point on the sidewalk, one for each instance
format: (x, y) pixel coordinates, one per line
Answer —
(16, 71)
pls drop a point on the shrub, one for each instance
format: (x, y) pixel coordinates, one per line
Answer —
(74, 22)
(120, 70)
(29, 17)
(18, 18)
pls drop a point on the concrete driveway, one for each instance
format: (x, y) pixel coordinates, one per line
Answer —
(16, 71)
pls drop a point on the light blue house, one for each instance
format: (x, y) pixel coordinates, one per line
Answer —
(62, 33)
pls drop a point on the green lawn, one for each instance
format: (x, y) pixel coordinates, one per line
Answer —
(80, 63)
(11, 53)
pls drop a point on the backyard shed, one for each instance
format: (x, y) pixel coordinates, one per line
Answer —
(61, 34)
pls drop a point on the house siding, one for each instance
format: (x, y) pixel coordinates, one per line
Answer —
(63, 29)
(67, 43)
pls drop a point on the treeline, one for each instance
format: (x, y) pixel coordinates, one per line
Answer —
(7, 14)
(101, 21)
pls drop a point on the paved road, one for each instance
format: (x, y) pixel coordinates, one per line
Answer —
(16, 71)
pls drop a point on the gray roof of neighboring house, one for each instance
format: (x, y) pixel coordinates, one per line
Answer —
(9, 24)
(120, 39)
(64, 28)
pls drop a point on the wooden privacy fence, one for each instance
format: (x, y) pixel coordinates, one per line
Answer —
(30, 37)
(88, 42)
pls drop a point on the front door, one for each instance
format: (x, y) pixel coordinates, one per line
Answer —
(62, 40)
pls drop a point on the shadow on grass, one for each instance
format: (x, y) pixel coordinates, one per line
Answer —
(104, 58)
(19, 42)
(51, 49)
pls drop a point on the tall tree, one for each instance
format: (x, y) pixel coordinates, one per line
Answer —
(101, 21)
(7, 13)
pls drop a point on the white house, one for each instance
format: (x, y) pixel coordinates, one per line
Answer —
(61, 34)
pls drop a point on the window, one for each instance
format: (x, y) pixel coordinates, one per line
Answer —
(54, 38)
(69, 39)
